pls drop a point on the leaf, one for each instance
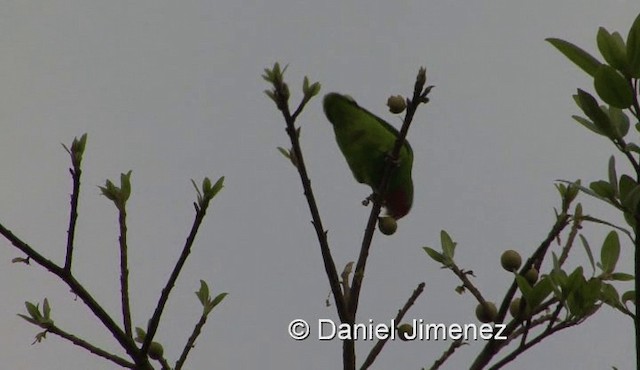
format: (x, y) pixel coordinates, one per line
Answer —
(621, 276)
(613, 49)
(578, 56)
(218, 299)
(435, 255)
(590, 107)
(612, 87)
(613, 177)
(140, 335)
(33, 311)
(631, 200)
(610, 296)
(619, 120)
(625, 185)
(610, 252)
(603, 189)
(203, 293)
(629, 296)
(587, 248)
(633, 48)
(448, 246)
(540, 292)
(525, 287)
(46, 309)
(588, 124)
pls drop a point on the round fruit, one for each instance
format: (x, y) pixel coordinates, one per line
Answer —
(396, 104)
(155, 350)
(511, 260)
(515, 309)
(405, 331)
(531, 276)
(486, 313)
(387, 225)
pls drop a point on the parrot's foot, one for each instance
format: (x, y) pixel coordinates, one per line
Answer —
(395, 162)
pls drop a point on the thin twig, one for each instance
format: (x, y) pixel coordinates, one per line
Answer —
(90, 347)
(191, 341)
(124, 270)
(76, 172)
(452, 348)
(375, 351)
(164, 296)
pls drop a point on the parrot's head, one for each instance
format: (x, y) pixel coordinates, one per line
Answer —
(338, 106)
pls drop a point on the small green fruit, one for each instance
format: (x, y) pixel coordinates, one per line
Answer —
(515, 309)
(486, 313)
(387, 225)
(511, 260)
(396, 104)
(405, 331)
(155, 350)
(531, 276)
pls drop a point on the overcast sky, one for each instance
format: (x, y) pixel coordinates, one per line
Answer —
(172, 91)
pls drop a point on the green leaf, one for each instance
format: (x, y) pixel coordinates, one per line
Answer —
(435, 255)
(612, 87)
(284, 152)
(218, 299)
(587, 248)
(203, 293)
(631, 200)
(588, 124)
(216, 188)
(448, 245)
(590, 107)
(46, 309)
(610, 252)
(625, 185)
(613, 49)
(633, 48)
(603, 189)
(525, 287)
(621, 276)
(629, 296)
(33, 310)
(610, 296)
(125, 185)
(580, 57)
(540, 292)
(613, 176)
(619, 120)
(140, 334)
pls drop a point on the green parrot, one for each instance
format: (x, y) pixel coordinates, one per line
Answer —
(365, 140)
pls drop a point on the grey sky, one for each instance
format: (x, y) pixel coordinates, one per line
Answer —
(172, 91)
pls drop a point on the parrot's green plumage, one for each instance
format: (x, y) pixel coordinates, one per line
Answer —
(365, 140)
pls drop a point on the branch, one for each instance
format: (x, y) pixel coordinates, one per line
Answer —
(76, 172)
(191, 341)
(375, 351)
(452, 348)
(90, 347)
(125, 341)
(201, 211)
(280, 95)
(419, 97)
(124, 270)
